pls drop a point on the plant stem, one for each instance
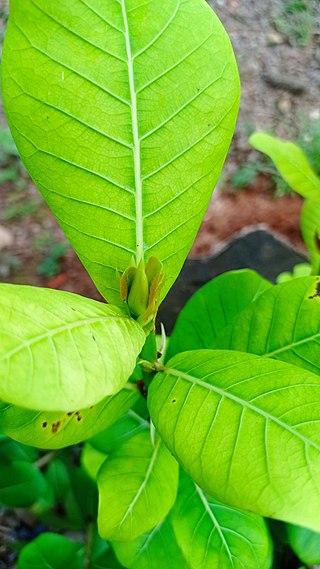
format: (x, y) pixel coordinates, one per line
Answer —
(149, 350)
(89, 547)
(45, 459)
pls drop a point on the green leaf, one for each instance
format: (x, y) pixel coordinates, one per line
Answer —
(92, 460)
(122, 430)
(305, 543)
(85, 493)
(310, 227)
(51, 551)
(291, 162)
(123, 128)
(283, 323)
(59, 351)
(156, 549)
(95, 451)
(21, 484)
(102, 556)
(137, 486)
(245, 428)
(53, 430)
(11, 450)
(211, 534)
(58, 476)
(213, 307)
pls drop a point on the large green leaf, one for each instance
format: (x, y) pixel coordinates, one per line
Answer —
(213, 307)
(138, 485)
(59, 351)
(310, 227)
(157, 549)
(211, 534)
(305, 543)
(283, 323)
(123, 118)
(291, 162)
(51, 551)
(58, 429)
(245, 428)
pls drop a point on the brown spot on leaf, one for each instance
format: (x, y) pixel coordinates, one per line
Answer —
(174, 400)
(44, 424)
(317, 293)
(79, 418)
(70, 413)
(55, 427)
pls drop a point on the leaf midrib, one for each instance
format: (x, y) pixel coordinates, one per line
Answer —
(292, 345)
(139, 252)
(239, 401)
(215, 522)
(142, 487)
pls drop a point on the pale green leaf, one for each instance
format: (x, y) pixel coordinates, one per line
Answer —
(137, 486)
(92, 460)
(123, 118)
(305, 543)
(58, 429)
(213, 307)
(283, 323)
(291, 162)
(157, 549)
(310, 227)
(211, 534)
(59, 351)
(246, 429)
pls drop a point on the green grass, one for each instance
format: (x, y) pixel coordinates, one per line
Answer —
(297, 21)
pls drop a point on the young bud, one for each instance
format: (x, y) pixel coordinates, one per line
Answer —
(139, 292)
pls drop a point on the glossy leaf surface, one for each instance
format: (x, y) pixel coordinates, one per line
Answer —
(132, 504)
(212, 308)
(153, 550)
(58, 429)
(211, 534)
(123, 118)
(245, 428)
(283, 323)
(59, 351)
(291, 162)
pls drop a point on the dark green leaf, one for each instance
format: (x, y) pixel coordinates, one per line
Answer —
(51, 551)
(283, 323)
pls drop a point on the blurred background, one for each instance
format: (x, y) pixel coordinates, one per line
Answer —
(277, 45)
